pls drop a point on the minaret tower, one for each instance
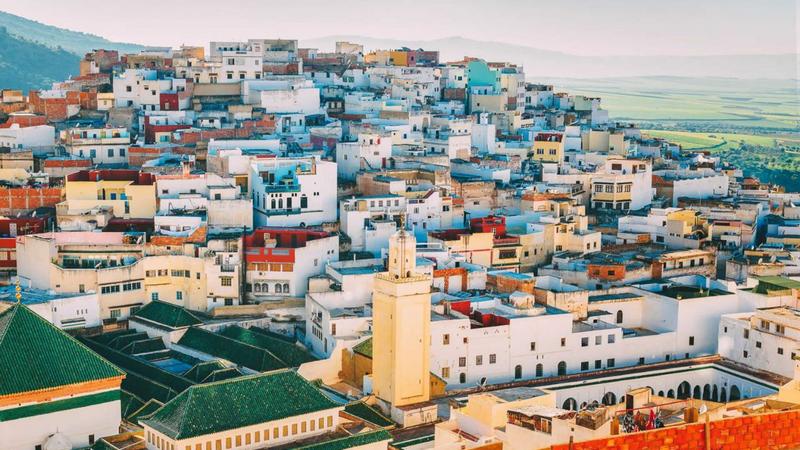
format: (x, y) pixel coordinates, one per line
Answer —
(401, 320)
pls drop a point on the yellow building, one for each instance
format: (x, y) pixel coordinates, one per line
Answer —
(548, 147)
(176, 279)
(612, 192)
(603, 141)
(401, 327)
(131, 194)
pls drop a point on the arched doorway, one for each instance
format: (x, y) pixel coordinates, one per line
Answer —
(619, 316)
(723, 395)
(609, 399)
(660, 393)
(714, 393)
(583, 405)
(562, 368)
(707, 392)
(539, 370)
(518, 372)
(697, 393)
(462, 378)
(671, 393)
(684, 390)
(570, 404)
(735, 394)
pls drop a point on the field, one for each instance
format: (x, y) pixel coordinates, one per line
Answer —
(722, 141)
(718, 104)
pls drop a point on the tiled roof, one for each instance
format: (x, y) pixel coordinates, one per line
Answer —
(144, 411)
(35, 355)
(200, 371)
(368, 413)
(357, 440)
(167, 314)
(239, 402)
(364, 348)
(243, 354)
(289, 353)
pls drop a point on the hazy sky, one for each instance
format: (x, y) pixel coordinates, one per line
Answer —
(600, 27)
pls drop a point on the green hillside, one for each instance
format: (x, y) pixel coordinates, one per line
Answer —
(27, 65)
(54, 37)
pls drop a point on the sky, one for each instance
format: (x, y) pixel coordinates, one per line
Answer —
(582, 27)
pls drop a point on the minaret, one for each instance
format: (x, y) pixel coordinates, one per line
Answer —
(401, 319)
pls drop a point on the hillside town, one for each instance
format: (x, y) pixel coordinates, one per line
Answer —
(254, 245)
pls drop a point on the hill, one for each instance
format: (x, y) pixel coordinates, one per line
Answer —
(27, 65)
(54, 37)
(545, 63)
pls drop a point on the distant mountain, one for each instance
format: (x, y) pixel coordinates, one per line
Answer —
(54, 37)
(544, 63)
(27, 65)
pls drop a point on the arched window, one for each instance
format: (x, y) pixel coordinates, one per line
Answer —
(518, 372)
(539, 370)
(609, 399)
(257, 287)
(304, 201)
(562, 368)
(285, 288)
(696, 393)
(570, 404)
(619, 316)
(278, 288)
(735, 394)
(265, 287)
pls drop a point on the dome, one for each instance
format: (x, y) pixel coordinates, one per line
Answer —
(57, 441)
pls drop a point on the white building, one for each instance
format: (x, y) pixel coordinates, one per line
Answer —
(28, 138)
(100, 145)
(368, 151)
(293, 192)
(220, 197)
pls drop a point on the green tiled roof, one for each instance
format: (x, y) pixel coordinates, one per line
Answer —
(364, 348)
(129, 403)
(355, 440)
(147, 389)
(222, 374)
(167, 314)
(368, 413)
(239, 402)
(246, 355)
(201, 370)
(144, 411)
(289, 353)
(36, 355)
(151, 345)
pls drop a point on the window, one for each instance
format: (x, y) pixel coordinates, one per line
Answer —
(226, 281)
(585, 342)
(492, 358)
(479, 360)
(598, 364)
(598, 340)
(780, 350)
(446, 339)
(744, 353)
(294, 429)
(539, 370)
(462, 378)
(619, 316)
(747, 334)
(585, 365)
(611, 338)
(780, 329)
(91, 439)
(765, 325)
(610, 363)
(462, 361)
(111, 153)
(758, 344)
(179, 295)
(563, 342)
(445, 372)
(641, 360)
(691, 340)
(533, 346)
(115, 313)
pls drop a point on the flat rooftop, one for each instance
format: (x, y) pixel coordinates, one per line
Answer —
(685, 292)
